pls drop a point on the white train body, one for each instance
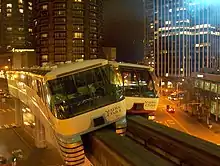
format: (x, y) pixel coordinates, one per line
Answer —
(138, 86)
(71, 108)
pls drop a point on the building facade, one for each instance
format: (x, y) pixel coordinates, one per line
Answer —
(149, 22)
(205, 94)
(110, 53)
(68, 30)
(16, 24)
(186, 36)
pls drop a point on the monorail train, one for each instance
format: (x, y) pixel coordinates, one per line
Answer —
(139, 88)
(81, 97)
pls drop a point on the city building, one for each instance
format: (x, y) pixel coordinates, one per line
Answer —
(68, 30)
(110, 53)
(204, 94)
(187, 35)
(15, 24)
(149, 33)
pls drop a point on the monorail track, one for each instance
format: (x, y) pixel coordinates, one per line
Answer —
(106, 148)
(178, 147)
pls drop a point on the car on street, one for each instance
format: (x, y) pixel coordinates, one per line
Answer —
(170, 109)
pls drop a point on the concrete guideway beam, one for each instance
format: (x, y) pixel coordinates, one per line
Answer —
(105, 147)
(173, 145)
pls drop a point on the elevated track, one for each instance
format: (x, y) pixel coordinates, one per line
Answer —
(106, 148)
(176, 146)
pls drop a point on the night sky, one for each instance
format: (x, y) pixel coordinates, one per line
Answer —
(124, 28)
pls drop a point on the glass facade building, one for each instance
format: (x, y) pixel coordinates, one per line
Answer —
(186, 36)
(68, 30)
(149, 45)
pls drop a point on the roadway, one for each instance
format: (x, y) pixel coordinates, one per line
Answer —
(182, 121)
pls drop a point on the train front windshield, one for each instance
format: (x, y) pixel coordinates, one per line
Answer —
(137, 82)
(84, 91)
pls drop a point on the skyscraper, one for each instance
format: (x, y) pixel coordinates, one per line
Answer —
(16, 24)
(68, 30)
(186, 36)
(149, 18)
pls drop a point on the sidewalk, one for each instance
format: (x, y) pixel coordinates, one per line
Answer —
(215, 125)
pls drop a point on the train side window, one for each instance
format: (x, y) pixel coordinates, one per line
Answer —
(29, 80)
(39, 88)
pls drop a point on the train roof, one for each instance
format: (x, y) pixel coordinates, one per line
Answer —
(66, 69)
(36, 71)
(130, 65)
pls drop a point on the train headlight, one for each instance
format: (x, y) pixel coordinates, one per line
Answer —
(151, 117)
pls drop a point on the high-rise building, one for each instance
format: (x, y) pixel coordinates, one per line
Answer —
(149, 21)
(67, 30)
(186, 36)
(15, 24)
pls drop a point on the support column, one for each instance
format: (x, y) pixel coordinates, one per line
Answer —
(18, 113)
(40, 141)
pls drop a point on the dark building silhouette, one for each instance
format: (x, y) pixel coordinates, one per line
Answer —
(68, 30)
(124, 28)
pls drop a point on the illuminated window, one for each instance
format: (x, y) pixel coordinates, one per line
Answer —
(44, 35)
(9, 5)
(59, 13)
(20, 1)
(20, 29)
(20, 38)
(93, 7)
(78, 27)
(29, 30)
(30, 7)
(9, 28)
(78, 35)
(207, 86)
(9, 10)
(21, 10)
(44, 57)
(77, 0)
(44, 7)
(30, 3)
(8, 14)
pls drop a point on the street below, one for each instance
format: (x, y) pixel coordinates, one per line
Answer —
(183, 121)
